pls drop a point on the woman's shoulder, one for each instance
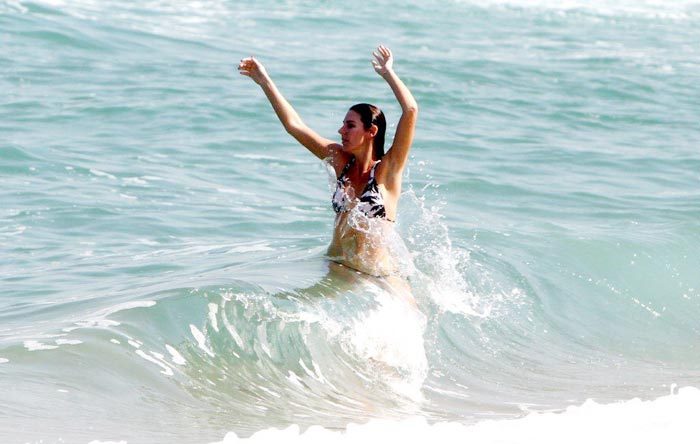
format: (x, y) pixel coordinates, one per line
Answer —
(338, 158)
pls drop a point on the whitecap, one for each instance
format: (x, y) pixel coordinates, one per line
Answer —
(156, 359)
(176, 357)
(135, 181)
(102, 174)
(393, 335)
(33, 345)
(671, 418)
(213, 310)
(68, 342)
(201, 340)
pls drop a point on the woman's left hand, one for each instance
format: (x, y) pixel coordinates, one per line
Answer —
(383, 60)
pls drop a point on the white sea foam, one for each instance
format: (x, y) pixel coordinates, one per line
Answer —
(680, 9)
(393, 336)
(12, 230)
(201, 340)
(68, 342)
(232, 331)
(250, 248)
(213, 310)
(443, 269)
(265, 157)
(135, 181)
(175, 355)
(102, 174)
(671, 418)
(36, 346)
(93, 323)
(99, 318)
(156, 359)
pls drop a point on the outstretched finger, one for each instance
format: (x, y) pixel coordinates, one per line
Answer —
(247, 61)
(380, 59)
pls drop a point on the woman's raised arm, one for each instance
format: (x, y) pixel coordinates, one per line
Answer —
(319, 146)
(398, 154)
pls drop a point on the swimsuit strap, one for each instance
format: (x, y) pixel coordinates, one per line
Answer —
(371, 173)
(350, 164)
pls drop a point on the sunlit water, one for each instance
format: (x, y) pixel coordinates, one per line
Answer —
(162, 239)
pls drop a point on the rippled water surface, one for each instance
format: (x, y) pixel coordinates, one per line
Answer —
(162, 239)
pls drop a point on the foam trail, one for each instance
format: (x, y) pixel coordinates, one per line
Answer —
(671, 418)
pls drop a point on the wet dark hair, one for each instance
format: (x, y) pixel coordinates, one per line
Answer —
(371, 115)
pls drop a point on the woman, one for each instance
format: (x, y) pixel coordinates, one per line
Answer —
(368, 182)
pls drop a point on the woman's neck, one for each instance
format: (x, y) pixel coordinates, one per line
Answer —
(364, 161)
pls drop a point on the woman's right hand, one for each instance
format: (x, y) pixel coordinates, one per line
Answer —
(250, 67)
(383, 60)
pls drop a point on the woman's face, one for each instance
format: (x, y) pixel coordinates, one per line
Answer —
(353, 133)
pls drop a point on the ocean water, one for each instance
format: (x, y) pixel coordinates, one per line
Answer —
(162, 239)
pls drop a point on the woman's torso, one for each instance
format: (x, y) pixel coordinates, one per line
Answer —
(362, 232)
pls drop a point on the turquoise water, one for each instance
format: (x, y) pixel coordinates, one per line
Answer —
(162, 238)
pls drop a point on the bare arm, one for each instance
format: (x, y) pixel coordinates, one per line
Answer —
(397, 156)
(319, 146)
